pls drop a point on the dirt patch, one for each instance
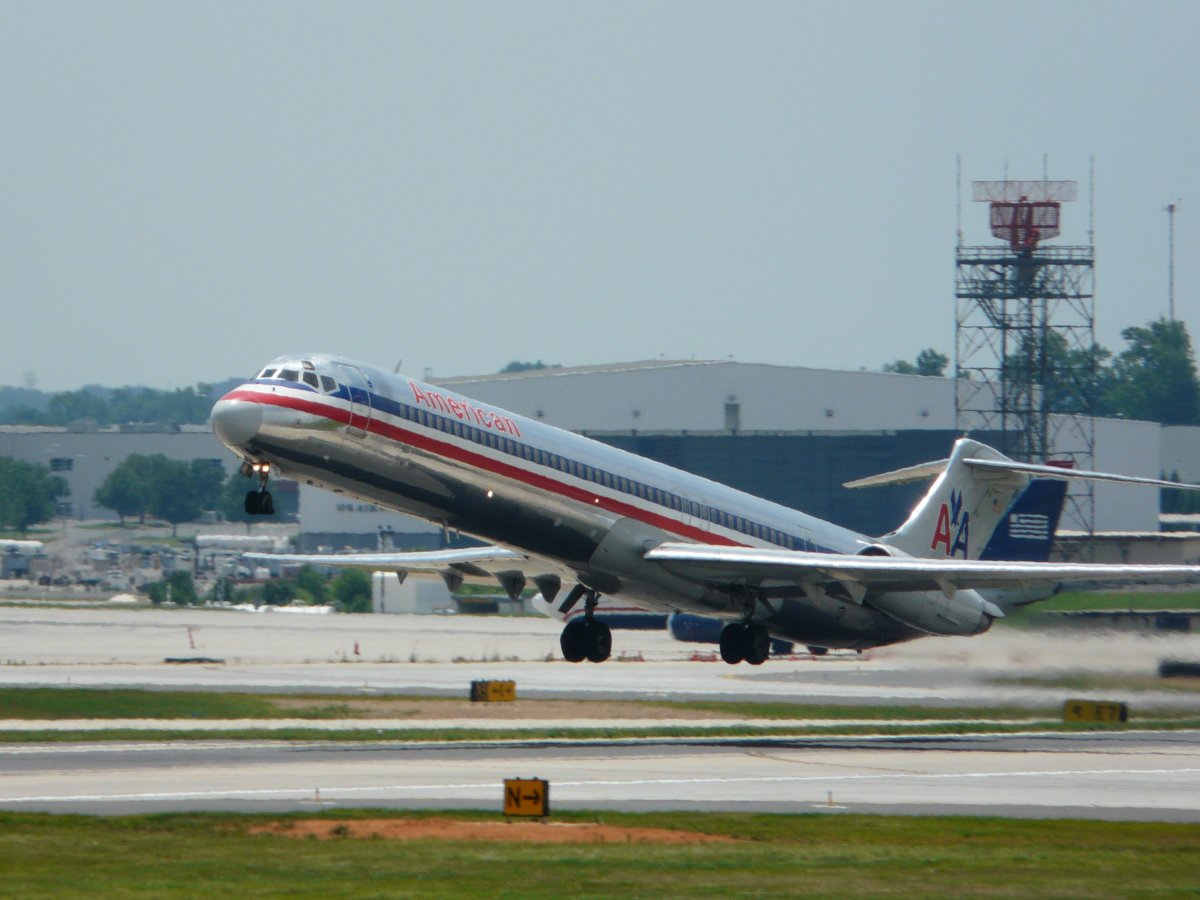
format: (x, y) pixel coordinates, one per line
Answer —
(403, 708)
(455, 830)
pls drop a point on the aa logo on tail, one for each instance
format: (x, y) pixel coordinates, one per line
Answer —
(953, 529)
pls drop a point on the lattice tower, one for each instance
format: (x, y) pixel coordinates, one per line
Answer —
(1025, 334)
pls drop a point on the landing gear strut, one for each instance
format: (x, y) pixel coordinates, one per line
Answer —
(259, 503)
(585, 638)
(746, 640)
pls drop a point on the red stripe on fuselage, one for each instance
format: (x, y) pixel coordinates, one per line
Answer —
(479, 461)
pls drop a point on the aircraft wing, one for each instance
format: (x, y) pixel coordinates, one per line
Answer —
(775, 569)
(510, 568)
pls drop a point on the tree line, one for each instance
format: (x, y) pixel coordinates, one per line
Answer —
(29, 494)
(1153, 378)
(109, 406)
(348, 591)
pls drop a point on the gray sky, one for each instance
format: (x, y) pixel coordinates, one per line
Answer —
(190, 189)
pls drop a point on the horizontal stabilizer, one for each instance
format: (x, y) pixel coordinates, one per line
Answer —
(1067, 474)
(920, 472)
(923, 471)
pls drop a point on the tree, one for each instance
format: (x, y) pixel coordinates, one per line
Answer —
(177, 587)
(208, 482)
(1154, 378)
(1071, 380)
(174, 492)
(170, 489)
(517, 366)
(352, 591)
(312, 587)
(929, 363)
(28, 493)
(71, 406)
(278, 592)
(126, 490)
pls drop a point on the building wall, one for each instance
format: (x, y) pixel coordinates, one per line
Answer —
(91, 456)
(1127, 448)
(329, 519)
(805, 471)
(1181, 452)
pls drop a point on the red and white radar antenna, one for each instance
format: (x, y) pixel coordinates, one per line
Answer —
(1025, 212)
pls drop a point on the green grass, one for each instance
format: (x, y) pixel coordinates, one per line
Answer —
(1079, 601)
(104, 703)
(82, 703)
(33, 534)
(779, 855)
(1093, 681)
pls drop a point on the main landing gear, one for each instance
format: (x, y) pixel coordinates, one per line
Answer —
(751, 643)
(585, 638)
(746, 640)
(259, 503)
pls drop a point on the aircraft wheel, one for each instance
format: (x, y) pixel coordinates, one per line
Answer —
(599, 642)
(253, 507)
(573, 641)
(818, 651)
(267, 504)
(757, 644)
(733, 643)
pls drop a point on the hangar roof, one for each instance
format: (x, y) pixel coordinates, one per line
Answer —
(715, 396)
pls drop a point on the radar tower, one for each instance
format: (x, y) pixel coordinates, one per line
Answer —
(1025, 333)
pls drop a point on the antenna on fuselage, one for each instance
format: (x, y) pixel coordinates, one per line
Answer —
(399, 362)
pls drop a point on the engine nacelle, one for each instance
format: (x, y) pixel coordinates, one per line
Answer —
(964, 614)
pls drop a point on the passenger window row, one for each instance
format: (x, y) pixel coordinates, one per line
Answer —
(599, 476)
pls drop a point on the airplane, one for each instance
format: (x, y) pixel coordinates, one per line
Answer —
(556, 508)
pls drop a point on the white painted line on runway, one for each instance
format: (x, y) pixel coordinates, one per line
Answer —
(202, 725)
(306, 793)
(944, 740)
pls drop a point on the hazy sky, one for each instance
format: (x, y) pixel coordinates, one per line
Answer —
(190, 189)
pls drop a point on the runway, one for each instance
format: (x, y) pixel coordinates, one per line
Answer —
(1139, 776)
(1118, 775)
(441, 655)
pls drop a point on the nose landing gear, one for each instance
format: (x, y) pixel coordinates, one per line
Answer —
(259, 503)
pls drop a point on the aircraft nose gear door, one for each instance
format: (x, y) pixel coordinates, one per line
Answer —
(360, 399)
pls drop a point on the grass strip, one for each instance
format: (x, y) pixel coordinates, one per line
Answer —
(113, 703)
(550, 733)
(189, 855)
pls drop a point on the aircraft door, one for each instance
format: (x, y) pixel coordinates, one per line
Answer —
(357, 387)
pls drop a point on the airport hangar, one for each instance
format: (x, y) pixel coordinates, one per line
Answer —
(791, 434)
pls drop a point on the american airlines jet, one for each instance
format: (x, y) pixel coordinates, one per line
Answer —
(579, 519)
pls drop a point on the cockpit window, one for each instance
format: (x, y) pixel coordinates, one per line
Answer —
(289, 374)
(267, 373)
(310, 379)
(329, 384)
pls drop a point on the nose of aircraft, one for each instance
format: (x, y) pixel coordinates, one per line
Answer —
(235, 422)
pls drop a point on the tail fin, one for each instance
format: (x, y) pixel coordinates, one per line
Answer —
(975, 488)
(958, 515)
